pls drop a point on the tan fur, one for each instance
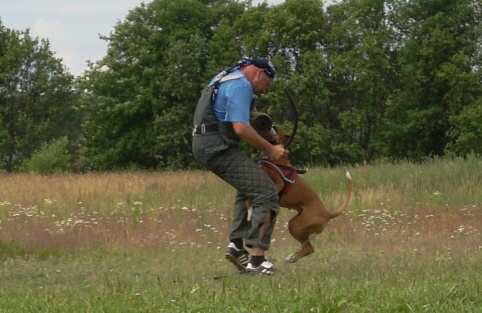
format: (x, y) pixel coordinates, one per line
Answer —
(312, 215)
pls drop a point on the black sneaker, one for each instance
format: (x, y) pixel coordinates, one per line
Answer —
(266, 268)
(239, 257)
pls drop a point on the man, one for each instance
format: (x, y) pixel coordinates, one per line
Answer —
(221, 121)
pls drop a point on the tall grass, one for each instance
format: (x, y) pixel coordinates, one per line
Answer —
(410, 241)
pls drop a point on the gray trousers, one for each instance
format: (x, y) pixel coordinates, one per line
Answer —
(250, 181)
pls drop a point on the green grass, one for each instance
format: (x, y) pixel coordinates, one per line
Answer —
(340, 280)
(410, 241)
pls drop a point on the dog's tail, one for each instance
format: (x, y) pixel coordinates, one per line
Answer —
(342, 208)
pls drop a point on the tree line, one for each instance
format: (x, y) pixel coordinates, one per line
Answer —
(373, 80)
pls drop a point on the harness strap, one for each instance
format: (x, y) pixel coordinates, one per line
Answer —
(287, 173)
(222, 80)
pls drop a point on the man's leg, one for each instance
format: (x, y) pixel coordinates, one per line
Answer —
(240, 224)
(235, 251)
(251, 181)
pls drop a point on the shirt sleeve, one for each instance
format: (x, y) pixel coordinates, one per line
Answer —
(238, 108)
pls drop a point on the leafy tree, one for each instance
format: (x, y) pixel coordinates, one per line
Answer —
(467, 131)
(49, 158)
(37, 100)
(362, 73)
(466, 91)
(372, 78)
(436, 76)
(141, 96)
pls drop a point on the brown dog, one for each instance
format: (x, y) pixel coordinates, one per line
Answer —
(298, 195)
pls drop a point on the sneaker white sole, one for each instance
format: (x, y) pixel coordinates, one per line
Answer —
(231, 258)
(258, 272)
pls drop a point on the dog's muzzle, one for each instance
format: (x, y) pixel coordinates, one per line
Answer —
(262, 123)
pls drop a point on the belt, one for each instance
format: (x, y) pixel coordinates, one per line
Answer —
(203, 129)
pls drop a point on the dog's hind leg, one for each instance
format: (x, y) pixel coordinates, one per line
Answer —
(301, 227)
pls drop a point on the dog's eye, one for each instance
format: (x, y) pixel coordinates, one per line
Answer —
(275, 128)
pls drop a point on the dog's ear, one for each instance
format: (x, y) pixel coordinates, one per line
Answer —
(295, 140)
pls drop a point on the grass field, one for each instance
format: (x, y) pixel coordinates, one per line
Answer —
(410, 241)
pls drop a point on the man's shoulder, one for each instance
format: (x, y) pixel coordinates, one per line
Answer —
(230, 77)
(233, 83)
(235, 80)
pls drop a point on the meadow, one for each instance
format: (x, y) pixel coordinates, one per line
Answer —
(410, 241)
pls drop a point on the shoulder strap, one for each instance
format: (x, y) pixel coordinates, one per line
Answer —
(229, 77)
(222, 80)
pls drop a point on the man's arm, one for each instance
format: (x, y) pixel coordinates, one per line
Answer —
(247, 133)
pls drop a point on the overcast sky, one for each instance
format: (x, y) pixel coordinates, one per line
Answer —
(72, 26)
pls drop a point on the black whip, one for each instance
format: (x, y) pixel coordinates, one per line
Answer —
(295, 111)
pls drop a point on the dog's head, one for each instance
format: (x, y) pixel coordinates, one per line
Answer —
(277, 136)
(261, 122)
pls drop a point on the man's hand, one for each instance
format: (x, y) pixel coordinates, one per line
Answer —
(247, 133)
(277, 152)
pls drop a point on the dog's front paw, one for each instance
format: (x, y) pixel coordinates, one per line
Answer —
(290, 258)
